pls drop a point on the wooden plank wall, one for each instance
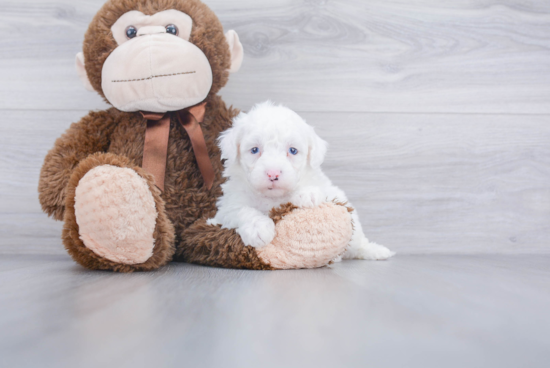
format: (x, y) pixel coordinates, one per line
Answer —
(438, 113)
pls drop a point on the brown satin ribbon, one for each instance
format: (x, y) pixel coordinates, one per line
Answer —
(155, 149)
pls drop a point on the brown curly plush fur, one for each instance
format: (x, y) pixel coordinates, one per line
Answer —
(92, 134)
(213, 246)
(278, 213)
(117, 138)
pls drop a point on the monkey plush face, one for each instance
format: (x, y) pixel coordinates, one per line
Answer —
(155, 67)
(158, 56)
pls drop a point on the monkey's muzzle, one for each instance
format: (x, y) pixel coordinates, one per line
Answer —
(156, 72)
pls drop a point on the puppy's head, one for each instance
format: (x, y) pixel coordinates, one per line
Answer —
(273, 148)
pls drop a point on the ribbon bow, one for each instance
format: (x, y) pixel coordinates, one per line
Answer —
(155, 148)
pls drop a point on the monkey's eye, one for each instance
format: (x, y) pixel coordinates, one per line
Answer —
(131, 32)
(254, 150)
(172, 29)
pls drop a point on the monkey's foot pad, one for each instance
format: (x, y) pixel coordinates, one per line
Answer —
(309, 238)
(116, 214)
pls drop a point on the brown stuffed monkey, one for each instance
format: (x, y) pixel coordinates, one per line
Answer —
(134, 184)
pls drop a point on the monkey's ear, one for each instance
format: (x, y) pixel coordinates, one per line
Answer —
(82, 72)
(236, 48)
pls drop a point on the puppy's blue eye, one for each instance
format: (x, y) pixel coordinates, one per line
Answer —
(293, 151)
(254, 150)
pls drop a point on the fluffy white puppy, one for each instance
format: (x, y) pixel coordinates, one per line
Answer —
(273, 157)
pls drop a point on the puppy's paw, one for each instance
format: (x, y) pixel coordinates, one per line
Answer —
(257, 233)
(373, 251)
(308, 197)
(337, 259)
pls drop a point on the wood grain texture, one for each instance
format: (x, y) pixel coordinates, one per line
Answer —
(423, 183)
(452, 183)
(427, 176)
(482, 56)
(438, 311)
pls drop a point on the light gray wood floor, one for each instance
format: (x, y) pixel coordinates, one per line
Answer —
(413, 311)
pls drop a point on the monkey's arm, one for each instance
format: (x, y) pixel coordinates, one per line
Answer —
(90, 135)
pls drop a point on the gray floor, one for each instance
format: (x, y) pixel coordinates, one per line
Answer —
(413, 311)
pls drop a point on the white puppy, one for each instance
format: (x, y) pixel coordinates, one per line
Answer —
(273, 157)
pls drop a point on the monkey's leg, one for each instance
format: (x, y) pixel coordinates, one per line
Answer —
(115, 218)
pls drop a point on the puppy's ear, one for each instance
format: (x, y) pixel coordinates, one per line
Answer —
(228, 145)
(229, 140)
(317, 150)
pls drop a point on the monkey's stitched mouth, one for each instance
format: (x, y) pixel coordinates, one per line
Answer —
(151, 77)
